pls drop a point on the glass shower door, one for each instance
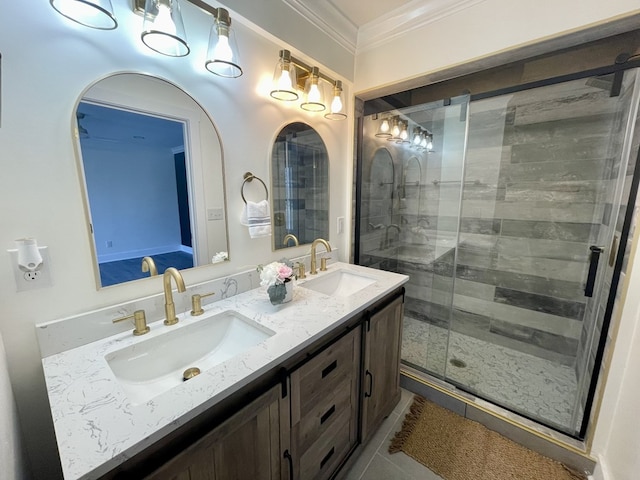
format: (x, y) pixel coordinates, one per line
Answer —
(410, 206)
(543, 188)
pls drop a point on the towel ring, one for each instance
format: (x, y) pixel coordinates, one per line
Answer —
(248, 177)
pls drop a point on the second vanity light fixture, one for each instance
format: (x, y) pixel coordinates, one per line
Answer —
(394, 129)
(163, 29)
(292, 76)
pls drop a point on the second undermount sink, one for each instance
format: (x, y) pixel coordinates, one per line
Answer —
(339, 283)
(153, 366)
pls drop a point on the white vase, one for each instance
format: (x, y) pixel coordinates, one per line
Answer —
(289, 295)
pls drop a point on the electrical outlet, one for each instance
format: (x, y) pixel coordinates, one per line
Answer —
(32, 280)
(340, 225)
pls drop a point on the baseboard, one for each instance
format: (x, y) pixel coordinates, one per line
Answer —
(601, 472)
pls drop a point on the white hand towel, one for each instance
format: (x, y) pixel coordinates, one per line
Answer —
(258, 218)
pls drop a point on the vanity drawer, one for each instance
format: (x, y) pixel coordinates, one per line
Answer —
(323, 415)
(320, 461)
(318, 380)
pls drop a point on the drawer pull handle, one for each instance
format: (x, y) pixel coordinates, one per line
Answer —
(328, 413)
(330, 368)
(368, 394)
(327, 457)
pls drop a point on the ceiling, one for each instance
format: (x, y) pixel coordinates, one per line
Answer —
(359, 25)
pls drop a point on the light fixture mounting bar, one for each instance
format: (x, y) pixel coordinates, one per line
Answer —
(138, 7)
(307, 68)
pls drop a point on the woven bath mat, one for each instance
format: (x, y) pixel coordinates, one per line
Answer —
(457, 448)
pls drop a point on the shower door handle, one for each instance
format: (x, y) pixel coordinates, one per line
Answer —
(593, 269)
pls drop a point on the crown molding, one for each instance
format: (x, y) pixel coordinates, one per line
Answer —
(413, 15)
(328, 19)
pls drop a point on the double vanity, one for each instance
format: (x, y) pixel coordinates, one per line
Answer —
(245, 389)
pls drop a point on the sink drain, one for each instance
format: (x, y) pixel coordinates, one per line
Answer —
(457, 363)
(190, 373)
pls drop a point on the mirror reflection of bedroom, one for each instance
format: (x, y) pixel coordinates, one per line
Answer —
(136, 179)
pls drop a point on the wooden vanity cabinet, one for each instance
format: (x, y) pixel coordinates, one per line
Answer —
(381, 378)
(249, 445)
(316, 409)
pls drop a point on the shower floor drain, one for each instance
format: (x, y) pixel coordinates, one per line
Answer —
(457, 363)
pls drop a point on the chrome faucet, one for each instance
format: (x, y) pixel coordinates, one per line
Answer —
(169, 306)
(290, 236)
(386, 234)
(313, 253)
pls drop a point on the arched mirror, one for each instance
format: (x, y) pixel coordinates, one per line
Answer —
(151, 166)
(379, 186)
(300, 186)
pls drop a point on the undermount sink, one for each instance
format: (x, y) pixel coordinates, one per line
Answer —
(155, 365)
(340, 283)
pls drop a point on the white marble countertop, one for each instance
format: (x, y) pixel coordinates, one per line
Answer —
(97, 427)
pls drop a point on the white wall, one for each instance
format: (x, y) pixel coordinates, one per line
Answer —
(47, 62)
(11, 455)
(487, 28)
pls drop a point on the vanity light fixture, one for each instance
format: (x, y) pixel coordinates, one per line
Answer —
(90, 13)
(337, 103)
(163, 29)
(285, 79)
(313, 92)
(418, 135)
(395, 130)
(222, 55)
(384, 130)
(404, 132)
(292, 76)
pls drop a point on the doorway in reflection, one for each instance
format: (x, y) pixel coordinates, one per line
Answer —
(138, 192)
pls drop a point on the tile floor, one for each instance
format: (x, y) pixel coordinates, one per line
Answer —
(376, 463)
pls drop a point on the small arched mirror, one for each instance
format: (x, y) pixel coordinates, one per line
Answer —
(300, 186)
(151, 167)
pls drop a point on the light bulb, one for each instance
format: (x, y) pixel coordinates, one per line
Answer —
(395, 131)
(417, 137)
(423, 142)
(336, 104)
(403, 132)
(314, 93)
(284, 82)
(384, 126)
(163, 21)
(430, 144)
(223, 51)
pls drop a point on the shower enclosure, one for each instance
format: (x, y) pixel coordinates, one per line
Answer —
(507, 212)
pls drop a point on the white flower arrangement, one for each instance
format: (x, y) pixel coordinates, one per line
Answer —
(275, 273)
(274, 276)
(220, 257)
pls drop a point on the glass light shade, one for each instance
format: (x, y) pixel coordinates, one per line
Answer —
(90, 13)
(222, 55)
(417, 136)
(163, 29)
(395, 130)
(384, 130)
(337, 104)
(284, 79)
(313, 93)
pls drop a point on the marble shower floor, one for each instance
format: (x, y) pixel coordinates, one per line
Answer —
(530, 385)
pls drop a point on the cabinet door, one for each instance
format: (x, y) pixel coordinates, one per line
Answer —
(248, 446)
(381, 379)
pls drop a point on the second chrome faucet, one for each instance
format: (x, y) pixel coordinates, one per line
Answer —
(170, 307)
